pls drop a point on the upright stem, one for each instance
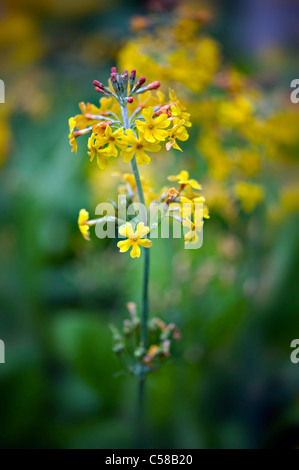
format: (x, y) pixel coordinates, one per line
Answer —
(144, 310)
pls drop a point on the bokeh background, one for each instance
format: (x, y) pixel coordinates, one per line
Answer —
(230, 382)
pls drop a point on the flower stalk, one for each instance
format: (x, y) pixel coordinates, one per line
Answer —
(144, 306)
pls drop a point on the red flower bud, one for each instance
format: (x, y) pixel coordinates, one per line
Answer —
(113, 77)
(98, 84)
(141, 81)
(130, 99)
(100, 90)
(113, 70)
(133, 75)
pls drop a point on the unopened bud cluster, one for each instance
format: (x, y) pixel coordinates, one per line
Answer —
(133, 353)
(125, 85)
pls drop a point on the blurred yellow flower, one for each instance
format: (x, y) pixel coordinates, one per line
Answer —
(250, 195)
(72, 138)
(183, 179)
(134, 239)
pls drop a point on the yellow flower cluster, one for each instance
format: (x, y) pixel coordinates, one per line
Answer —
(154, 121)
(188, 197)
(132, 126)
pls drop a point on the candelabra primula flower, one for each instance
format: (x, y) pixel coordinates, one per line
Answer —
(98, 152)
(72, 138)
(194, 226)
(183, 179)
(138, 146)
(178, 131)
(83, 227)
(177, 111)
(134, 239)
(87, 109)
(188, 206)
(109, 140)
(153, 129)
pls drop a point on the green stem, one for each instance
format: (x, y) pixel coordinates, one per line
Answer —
(145, 309)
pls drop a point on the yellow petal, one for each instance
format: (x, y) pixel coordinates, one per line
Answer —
(124, 245)
(145, 242)
(135, 252)
(122, 231)
(148, 114)
(130, 231)
(83, 216)
(84, 229)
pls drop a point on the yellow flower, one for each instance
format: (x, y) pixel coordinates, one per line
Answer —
(153, 128)
(86, 108)
(83, 227)
(183, 179)
(177, 111)
(189, 208)
(72, 138)
(134, 239)
(250, 195)
(109, 138)
(138, 146)
(96, 151)
(194, 227)
(236, 112)
(179, 132)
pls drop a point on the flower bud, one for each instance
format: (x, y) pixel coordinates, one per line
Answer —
(133, 75)
(130, 99)
(153, 86)
(139, 84)
(141, 81)
(113, 77)
(98, 84)
(132, 78)
(113, 70)
(100, 90)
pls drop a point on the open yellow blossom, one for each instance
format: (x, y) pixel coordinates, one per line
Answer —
(83, 227)
(194, 226)
(177, 111)
(153, 129)
(97, 151)
(188, 206)
(86, 109)
(72, 138)
(138, 146)
(183, 179)
(110, 140)
(178, 131)
(134, 239)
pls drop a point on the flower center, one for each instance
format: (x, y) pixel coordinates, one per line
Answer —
(139, 146)
(150, 127)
